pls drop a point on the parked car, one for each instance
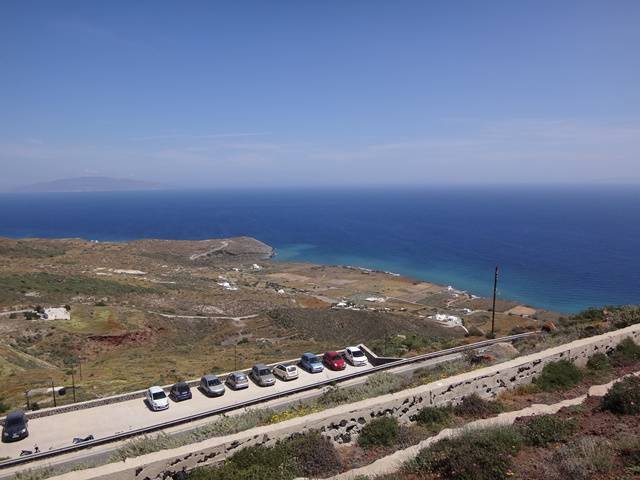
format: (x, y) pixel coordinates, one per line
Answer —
(211, 386)
(334, 361)
(157, 399)
(15, 427)
(180, 391)
(355, 356)
(285, 372)
(311, 363)
(237, 381)
(262, 375)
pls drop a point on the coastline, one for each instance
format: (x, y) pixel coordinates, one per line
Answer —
(550, 252)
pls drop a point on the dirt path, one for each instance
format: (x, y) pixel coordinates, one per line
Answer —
(394, 462)
(223, 244)
(17, 311)
(237, 321)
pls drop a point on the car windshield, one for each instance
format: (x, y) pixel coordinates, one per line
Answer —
(214, 382)
(14, 421)
(158, 395)
(357, 353)
(264, 371)
(183, 388)
(334, 357)
(241, 378)
(291, 369)
(314, 360)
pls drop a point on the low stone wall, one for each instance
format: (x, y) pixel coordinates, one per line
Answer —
(342, 424)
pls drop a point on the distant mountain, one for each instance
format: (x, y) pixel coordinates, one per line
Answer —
(89, 184)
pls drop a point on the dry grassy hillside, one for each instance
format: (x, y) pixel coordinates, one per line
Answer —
(155, 311)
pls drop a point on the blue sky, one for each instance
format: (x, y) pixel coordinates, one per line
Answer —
(282, 93)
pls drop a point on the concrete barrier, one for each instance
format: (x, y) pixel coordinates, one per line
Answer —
(342, 424)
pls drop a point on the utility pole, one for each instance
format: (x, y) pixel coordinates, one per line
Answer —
(53, 391)
(73, 383)
(493, 310)
(235, 356)
(26, 394)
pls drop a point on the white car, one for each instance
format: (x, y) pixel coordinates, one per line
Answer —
(157, 399)
(355, 356)
(285, 372)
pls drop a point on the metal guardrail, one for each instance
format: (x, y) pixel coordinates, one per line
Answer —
(265, 398)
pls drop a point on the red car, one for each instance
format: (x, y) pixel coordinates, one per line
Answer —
(334, 361)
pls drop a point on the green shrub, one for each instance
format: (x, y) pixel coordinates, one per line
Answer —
(598, 362)
(314, 454)
(627, 352)
(485, 454)
(223, 425)
(31, 315)
(560, 375)
(544, 429)
(266, 457)
(629, 451)
(381, 431)
(143, 445)
(582, 459)
(307, 454)
(434, 418)
(625, 316)
(589, 315)
(335, 396)
(376, 385)
(623, 397)
(474, 407)
(382, 383)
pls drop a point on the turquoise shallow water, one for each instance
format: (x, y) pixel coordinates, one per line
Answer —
(559, 248)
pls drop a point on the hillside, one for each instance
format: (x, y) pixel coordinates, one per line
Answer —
(155, 311)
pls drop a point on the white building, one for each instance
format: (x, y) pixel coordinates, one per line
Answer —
(56, 314)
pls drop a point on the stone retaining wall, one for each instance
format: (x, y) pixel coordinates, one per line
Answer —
(343, 423)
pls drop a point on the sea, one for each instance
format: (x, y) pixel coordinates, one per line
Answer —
(562, 248)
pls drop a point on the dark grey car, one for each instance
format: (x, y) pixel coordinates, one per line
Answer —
(15, 427)
(211, 386)
(262, 375)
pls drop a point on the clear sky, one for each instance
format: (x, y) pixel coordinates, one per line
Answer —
(281, 93)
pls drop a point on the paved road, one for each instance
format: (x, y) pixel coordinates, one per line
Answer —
(57, 431)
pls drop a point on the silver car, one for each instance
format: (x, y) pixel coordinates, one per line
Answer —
(262, 375)
(285, 372)
(237, 380)
(211, 386)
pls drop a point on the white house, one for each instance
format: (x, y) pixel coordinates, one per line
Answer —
(56, 314)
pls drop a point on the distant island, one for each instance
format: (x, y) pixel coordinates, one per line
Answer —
(89, 184)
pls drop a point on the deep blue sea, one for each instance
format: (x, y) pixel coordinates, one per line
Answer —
(561, 248)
